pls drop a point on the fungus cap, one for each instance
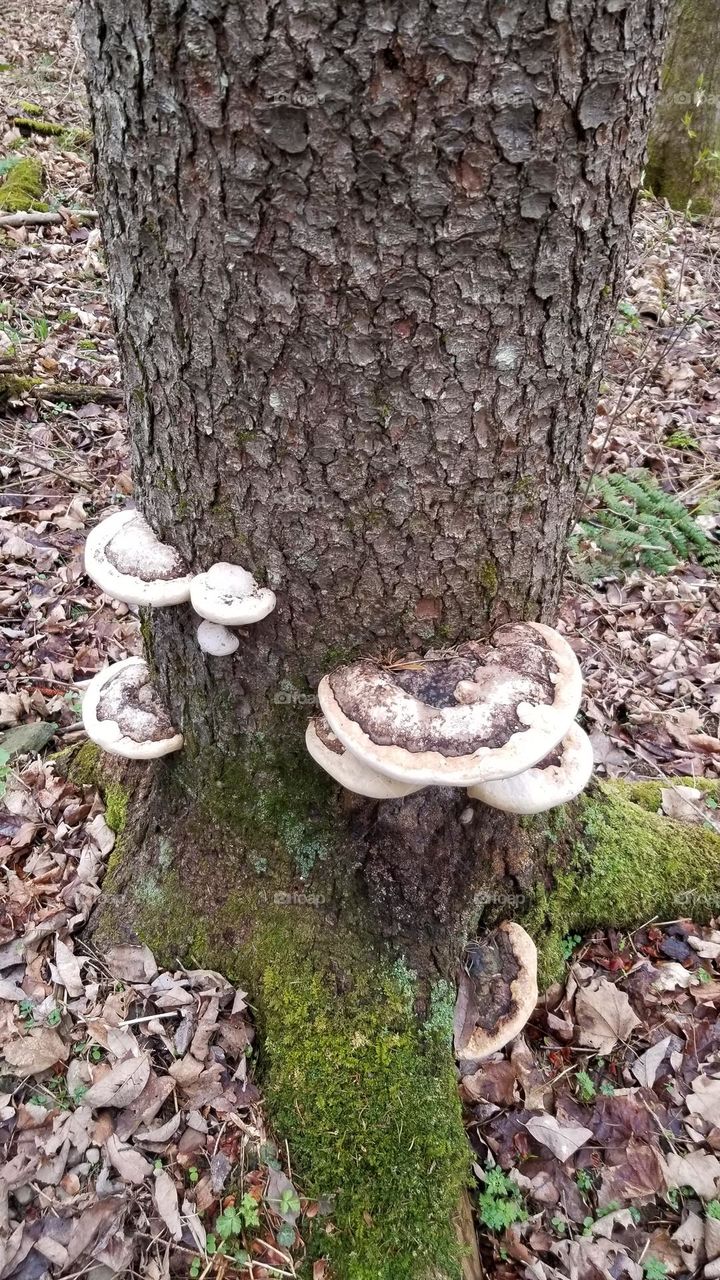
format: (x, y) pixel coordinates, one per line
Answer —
(229, 595)
(497, 992)
(123, 714)
(327, 751)
(128, 562)
(471, 714)
(216, 639)
(558, 778)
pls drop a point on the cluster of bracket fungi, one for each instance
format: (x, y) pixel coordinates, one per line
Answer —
(496, 718)
(122, 711)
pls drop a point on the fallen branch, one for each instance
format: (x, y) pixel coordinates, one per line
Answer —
(13, 387)
(43, 219)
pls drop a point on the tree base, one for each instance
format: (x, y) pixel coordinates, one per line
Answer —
(355, 1038)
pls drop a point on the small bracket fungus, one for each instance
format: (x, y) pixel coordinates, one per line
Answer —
(123, 714)
(558, 778)
(456, 718)
(127, 561)
(230, 596)
(346, 769)
(497, 991)
(216, 639)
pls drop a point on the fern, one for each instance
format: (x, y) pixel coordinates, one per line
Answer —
(636, 524)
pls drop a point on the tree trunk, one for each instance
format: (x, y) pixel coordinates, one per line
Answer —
(684, 151)
(363, 260)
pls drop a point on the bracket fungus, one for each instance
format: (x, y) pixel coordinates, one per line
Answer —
(327, 750)
(472, 714)
(497, 991)
(123, 714)
(560, 777)
(216, 639)
(128, 562)
(230, 596)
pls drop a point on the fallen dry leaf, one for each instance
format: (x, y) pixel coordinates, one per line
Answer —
(605, 1015)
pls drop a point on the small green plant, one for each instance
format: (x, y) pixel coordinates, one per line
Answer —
(607, 1089)
(559, 1225)
(584, 1086)
(589, 1222)
(500, 1204)
(570, 944)
(194, 1269)
(703, 976)
(673, 1198)
(654, 1269)
(712, 1209)
(681, 440)
(41, 328)
(636, 524)
(584, 1181)
(26, 1009)
(289, 1202)
(193, 1175)
(630, 319)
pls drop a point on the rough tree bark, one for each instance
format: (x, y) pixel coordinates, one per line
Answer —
(684, 149)
(362, 259)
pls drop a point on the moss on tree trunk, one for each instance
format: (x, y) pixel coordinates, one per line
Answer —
(355, 1027)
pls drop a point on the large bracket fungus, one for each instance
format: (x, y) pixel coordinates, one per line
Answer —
(473, 714)
(123, 714)
(230, 596)
(560, 777)
(497, 991)
(345, 768)
(127, 561)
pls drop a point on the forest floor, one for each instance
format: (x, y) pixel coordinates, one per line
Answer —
(132, 1131)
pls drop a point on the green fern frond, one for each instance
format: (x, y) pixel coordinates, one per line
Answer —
(637, 525)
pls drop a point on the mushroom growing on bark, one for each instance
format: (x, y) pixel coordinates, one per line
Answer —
(128, 562)
(123, 714)
(560, 777)
(216, 640)
(497, 991)
(229, 595)
(327, 750)
(472, 714)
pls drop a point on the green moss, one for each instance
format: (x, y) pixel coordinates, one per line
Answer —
(22, 188)
(85, 768)
(30, 109)
(38, 126)
(116, 806)
(364, 1091)
(273, 796)
(487, 575)
(630, 864)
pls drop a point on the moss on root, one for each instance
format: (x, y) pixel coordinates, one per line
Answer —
(22, 189)
(363, 1089)
(628, 864)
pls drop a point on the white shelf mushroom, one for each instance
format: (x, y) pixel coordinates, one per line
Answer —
(127, 561)
(557, 779)
(473, 714)
(497, 992)
(230, 596)
(345, 768)
(123, 714)
(216, 639)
